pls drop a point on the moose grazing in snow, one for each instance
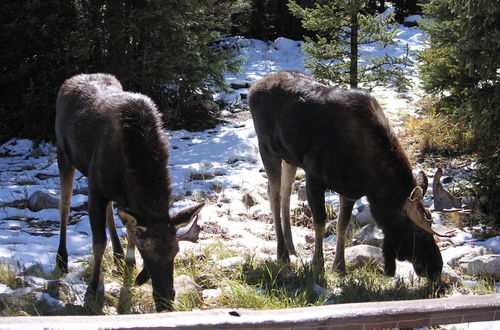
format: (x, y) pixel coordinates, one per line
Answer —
(343, 141)
(115, 139)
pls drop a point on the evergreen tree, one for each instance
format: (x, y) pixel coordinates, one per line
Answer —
(148, 44)
(36, 39)
(341, 26)
(462, 65)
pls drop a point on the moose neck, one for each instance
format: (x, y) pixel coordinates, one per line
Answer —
(391, 185)
(145, 149)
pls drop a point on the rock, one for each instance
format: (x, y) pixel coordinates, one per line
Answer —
(482, 265)
(365, 216)
(453, 255)
(81, 191)
(212, 294)
(302, 194)
(449, 276)
(184, 285)
(322, 292)
(248, 200)
(471, 284)
(361, 254)
(370, 235)
(309, 238)
(231, 262)
(40, 200)
(210, 106)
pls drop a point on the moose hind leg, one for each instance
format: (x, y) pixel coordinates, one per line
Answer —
(316, 200)
(66, 175)
(113, 235)
(272, 165)
(345, 212)
(287, 178)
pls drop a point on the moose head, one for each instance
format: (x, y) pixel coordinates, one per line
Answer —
(158, 244)
(413, 239)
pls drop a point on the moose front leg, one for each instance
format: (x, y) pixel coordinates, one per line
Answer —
(316, 200)
(66, 176)
(345, 212)
(97, 215)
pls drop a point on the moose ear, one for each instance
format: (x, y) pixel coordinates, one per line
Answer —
(184, 217)
(127, 218)
(419, 215)
(130, 221)
(422, 181)
(417, 194)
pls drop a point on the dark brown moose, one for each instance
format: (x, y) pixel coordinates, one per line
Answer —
(115, 139)
(343, 141)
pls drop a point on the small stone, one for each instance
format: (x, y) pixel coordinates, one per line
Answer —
(40, 200)
(231, 262)
(248, 200)
(211, 294)
(365, 216)
(302, 194)
(359, 255)
(184, 284)
(370, 235)
(309, 238)
(449, 276)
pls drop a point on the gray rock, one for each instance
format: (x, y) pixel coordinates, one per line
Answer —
(302, 194)
(470, 284)
(322, 292)
(453, 255)
(231, 262)
(482, 265)
(211, 294)
(40, 200)
(370, 235)
(365, 216)
(361, 254)
(449, 276)
(184, 285)
(210, 106)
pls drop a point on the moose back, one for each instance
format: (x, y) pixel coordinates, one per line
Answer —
(115, 138)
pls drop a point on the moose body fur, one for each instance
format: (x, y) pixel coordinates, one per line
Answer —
(343, 141)
(115, 138)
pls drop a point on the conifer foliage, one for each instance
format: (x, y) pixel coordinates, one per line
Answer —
(341, 26)
(167, 49)
(462, 65)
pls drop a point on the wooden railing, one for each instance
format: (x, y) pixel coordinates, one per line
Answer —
(371, 315)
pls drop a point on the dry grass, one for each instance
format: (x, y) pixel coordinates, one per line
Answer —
(435, 133)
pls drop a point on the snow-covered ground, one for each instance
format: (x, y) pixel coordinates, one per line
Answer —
(219, 165)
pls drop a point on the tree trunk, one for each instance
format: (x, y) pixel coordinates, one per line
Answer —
(353, 72)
